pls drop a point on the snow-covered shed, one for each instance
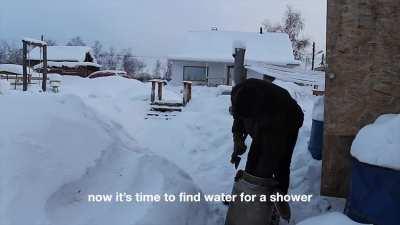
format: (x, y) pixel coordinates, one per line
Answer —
(206, 56)
(66, 60)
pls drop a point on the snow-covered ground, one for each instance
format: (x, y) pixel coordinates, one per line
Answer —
(92, 138)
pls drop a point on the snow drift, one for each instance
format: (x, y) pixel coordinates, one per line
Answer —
(4, 87)
(379, 143)
(55, 150)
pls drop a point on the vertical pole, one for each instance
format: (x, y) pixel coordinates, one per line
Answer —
(160, 87)
(153, 91)
(313, 56)
(239, 72)
(323, 60)
(189, 92)
(185, 91)
(25, 71)
(44, 79)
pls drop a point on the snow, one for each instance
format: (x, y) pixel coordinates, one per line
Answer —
(379, 143)
(107, 136)
(15, 69)
(318, 110)
(330, 219)
(63, 53)
(34, 41)
(66, 151)
(4, 86)
(272, 48)
(66, 64)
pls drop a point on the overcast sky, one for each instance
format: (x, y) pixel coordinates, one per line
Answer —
(149, 27)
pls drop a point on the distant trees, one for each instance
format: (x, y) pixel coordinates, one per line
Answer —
(50, 42)
(97, 48)
(10, 53)
(292, 24)
(157, 69)
(110, 59)
(76, 41)
(131, 65)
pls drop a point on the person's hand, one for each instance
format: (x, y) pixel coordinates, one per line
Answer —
(239, 147)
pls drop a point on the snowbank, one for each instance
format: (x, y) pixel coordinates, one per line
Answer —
(379, 143)
(52, 157)
(4, 87)
(329, 219)
(318, 110)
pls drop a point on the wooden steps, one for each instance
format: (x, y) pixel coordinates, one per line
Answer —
(168, 103)
(164, 110)
(160, 108)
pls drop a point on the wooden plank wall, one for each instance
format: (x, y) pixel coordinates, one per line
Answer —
(363, 78)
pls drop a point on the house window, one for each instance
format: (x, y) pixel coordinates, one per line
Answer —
(195, 73)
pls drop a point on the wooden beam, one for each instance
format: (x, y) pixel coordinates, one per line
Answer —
(160, 90)
(153, 91)
(239, 72)
(44, 81)
(24, 66)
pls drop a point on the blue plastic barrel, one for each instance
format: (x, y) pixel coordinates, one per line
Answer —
(374, 196)
(316, 139)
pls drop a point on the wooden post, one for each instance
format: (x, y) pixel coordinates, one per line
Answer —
(44, 79)
(160, 87)
(313, 56)
(153, 91)
(239, 73)
(185, 101)
(189, 91)
(24, 67)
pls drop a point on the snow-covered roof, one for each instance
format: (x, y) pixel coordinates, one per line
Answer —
(15, 69)
(34, 41)
(217, 46)
(290, 75)
(63, 53)
(67, 64)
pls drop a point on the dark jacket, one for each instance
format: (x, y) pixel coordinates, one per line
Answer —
(272, 118)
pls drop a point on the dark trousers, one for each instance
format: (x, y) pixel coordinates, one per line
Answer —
(270, 155)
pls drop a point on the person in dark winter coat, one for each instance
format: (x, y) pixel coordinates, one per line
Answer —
(272, 118)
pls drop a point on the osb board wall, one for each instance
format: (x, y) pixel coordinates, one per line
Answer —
(363, 78)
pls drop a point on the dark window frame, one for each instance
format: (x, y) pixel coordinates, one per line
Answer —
(203, 67)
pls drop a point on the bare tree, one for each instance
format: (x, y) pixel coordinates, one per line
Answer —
(111, 59)
(157, 70)
(131, 65)
(50, 42)
(76, 41)
(10, 53)
(97, 49)
(3, 51)
(269, 27)
(293, 24)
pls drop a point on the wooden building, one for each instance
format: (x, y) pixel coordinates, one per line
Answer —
(363, 79)
(66, 60)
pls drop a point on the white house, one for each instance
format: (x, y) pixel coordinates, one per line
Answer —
(206, 56)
